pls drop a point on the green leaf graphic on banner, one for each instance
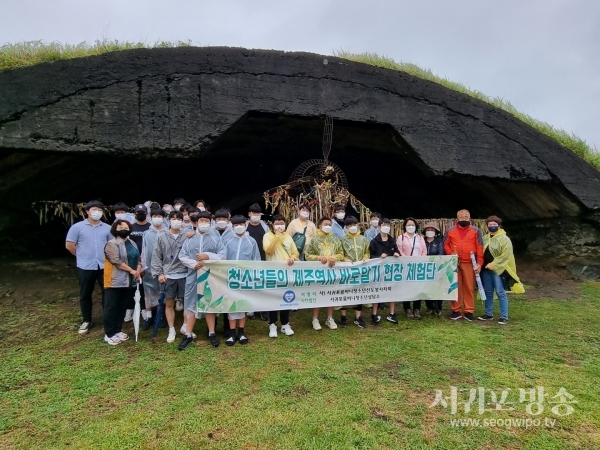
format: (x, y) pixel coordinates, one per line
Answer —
(217, 302)
(204, 276)
(207, 293)
(200, 303)
(453, 286)
(449, 274)
(441, 266)
(241, 305)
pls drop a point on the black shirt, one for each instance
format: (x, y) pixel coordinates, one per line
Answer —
(487, 257)
(257, 232)
(137, 233)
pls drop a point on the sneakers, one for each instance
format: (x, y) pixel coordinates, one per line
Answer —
(330, 323)
(503, 321)
(287, 330)
(179, 305)
(264, 316)
(121, 336)
(185, 341)
(171, 336)
(343, 322)
(486, 317)
(469, 317)
(147, 324)
(409, 314)
(359, 322)
(112, 341)
(212, 338)
(315, 323)
(128, 315)
(417, 314)
(183, 330)
(84, 328)
(243, 339)
(272, 330)
(455, 315)
(392, 318)
(375, 318)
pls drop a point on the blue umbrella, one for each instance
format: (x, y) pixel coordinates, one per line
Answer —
(159, 311)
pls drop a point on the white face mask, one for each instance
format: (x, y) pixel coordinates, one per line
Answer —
(201, 208)
(120, 216)
(326, 229)
(374, 223)
(430, 234)
(186, 218)
(177, 207)
(239, 229)
(96, 215)
(411, 229)
(279, 228)
(353, 229)
(304, 214)
(340, 216)
(255, 219)
(203, 227)
(157, 221)
(385, 229)
(176, 224)
(221, 224)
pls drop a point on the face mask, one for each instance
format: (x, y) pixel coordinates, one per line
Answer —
(340, 216)
(120, 216)
(239, 229)
(96, 215)
(123, 233)
(279, 228)
(176, 224)
(464, 223)
(430, 234)
(186, 217)
(353, 229)
(255, 219)
(221, 224)
(177, 207)
(411, 228)
(304, 214)
(201, 208)
(326, 229)
(385, 229)
(374, 223)
(493, 229)
(140, 216)
(156, 221)
(203, 227)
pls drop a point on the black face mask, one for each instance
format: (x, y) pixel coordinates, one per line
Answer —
(464, 223)
(123, 233)
(140, 216)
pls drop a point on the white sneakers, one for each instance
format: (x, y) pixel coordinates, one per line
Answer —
(171, 336)
(179, 305)
(316, 324)
(272, 330)
(121, 336)
(129, 315)
(112, 341)
(287, 330)
(183, 330)
(330, 323)
(84, 328)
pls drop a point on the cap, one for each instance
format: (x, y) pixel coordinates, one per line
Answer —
(140, 207)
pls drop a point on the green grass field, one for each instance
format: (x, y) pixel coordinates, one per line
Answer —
(342, 389)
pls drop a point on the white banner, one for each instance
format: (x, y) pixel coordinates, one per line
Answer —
(245, 286)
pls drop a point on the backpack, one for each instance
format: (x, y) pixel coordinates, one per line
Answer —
(300, 239)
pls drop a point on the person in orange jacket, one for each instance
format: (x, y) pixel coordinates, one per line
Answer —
(461, 240)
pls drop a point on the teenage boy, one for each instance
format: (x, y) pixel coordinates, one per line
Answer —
(356, 248)
(150, 283)
(339, 214)
(241, 247)
(205, 245)
(169, 269)
(86, 241)
(257, 229)
(121, 211)
(373, 230)
(327, 248)
(302, 226)
(222, 225)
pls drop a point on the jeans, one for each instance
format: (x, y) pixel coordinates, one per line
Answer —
(87, 280)
(115, 304)
(491, 283)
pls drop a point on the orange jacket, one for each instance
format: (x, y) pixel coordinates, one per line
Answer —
(472, 242)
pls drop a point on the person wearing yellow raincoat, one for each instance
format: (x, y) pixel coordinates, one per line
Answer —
(356, 248)
(327, 248)
(499, 272)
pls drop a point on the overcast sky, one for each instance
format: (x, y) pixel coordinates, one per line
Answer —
(541, 55)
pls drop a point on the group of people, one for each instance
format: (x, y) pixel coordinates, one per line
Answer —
(159, 250)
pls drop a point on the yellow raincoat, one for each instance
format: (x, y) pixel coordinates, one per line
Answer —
(502, 250)
(322, 244)
(283, 249)
(356, 247)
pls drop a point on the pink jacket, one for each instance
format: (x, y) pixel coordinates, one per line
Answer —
(405, 244)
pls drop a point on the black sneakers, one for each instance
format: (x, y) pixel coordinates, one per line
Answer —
(264, 316)
(212, 338)
(392, 318)
(359, 322)
(343, 322)
(469, 317)
(486, 317)
(187, 340)
(375, 318)
(455, 315)
(503, 321)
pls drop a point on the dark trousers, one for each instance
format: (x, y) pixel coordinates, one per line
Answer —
(355, 308)
(87, 280)
(416, 305)
(435, 305)
(115, 304)
(131, 303)
(285, 316)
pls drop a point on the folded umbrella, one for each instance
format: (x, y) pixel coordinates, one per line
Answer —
(478, 278)
(159, 311)
(137, 311)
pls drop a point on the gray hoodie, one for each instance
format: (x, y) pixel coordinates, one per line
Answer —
(165, 258)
